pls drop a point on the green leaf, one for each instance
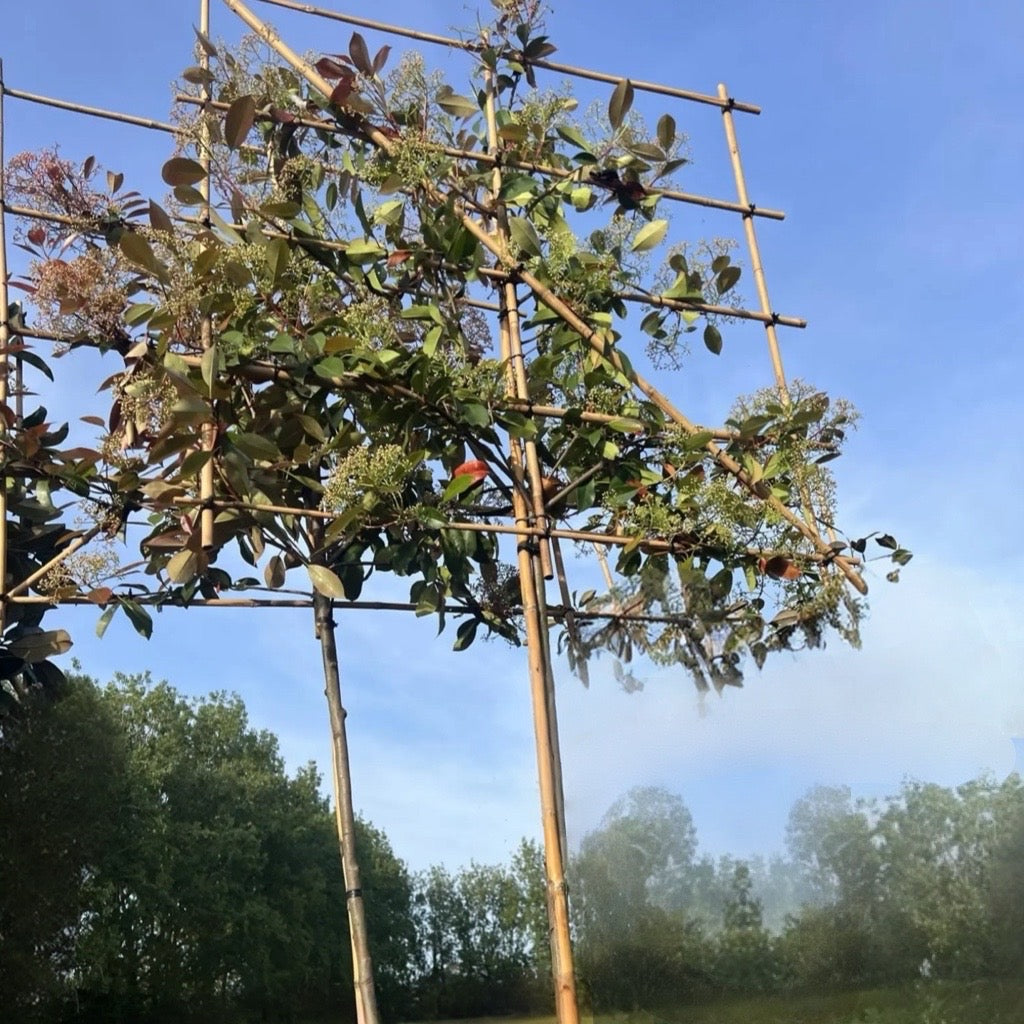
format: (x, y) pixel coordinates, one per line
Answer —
(365, 250)
(524, 235)
(582, 198)
(901, 556)
(208, 367)
(713, 339)
(649, 235)
(256, 447)
(182, 566)
(325, 581)
(35, 647)
(572, 136)
(465, 635)
(180, 170)
(278, 255)
(138, 250)
(458, 106)
(621, 101)
(666, 131)
(274, 574)
(887, 541)
(138, 616)
(238, 121)
(104, 620)
(727, 279)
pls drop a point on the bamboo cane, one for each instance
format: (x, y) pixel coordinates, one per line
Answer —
(549, 65)
(755, 252)
(208, 430)
(362, 962)
(762, 291)
(534, 568)
(81, 108)
(477, 156)
(491, 273)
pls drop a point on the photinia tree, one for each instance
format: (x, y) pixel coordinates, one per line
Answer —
(379, 326)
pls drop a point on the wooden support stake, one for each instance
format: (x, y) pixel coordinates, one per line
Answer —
(534, 567)
(752, 246)
(208, 430)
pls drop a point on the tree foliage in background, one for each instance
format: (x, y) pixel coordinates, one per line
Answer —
(158, 863)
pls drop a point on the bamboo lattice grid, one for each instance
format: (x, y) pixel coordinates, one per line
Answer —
(539, 559)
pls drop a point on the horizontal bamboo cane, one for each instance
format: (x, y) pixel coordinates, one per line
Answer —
(549, 65)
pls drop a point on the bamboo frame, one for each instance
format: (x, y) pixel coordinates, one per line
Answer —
(537, 550)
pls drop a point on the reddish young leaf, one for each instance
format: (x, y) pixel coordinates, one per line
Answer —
(360, 54)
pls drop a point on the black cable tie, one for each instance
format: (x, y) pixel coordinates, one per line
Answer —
(530, 546)
(351, 894)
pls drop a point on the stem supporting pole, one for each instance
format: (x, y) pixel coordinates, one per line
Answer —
(534, 567)
(208, 430)
(752, 246)
(362, 961)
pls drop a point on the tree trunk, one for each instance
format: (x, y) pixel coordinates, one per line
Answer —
(362, 962)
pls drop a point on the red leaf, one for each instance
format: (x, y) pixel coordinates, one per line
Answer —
(475, 468)
(330, 68)
(341, 92)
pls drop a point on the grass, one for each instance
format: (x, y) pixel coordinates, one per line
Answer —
(934, 1003)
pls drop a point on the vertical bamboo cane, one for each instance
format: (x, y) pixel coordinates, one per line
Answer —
(752, 246)
(362, 961)
(762, 286)
(534, 567)
(5, 339)
(208, 431)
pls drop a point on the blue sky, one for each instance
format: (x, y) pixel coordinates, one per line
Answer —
(891, 137)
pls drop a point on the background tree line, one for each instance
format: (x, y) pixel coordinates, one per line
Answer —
(158, 863)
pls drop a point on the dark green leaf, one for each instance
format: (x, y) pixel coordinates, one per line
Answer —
(713, 338)
(727, 279)
(138, 616)
(666, 131)
(465, 634)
